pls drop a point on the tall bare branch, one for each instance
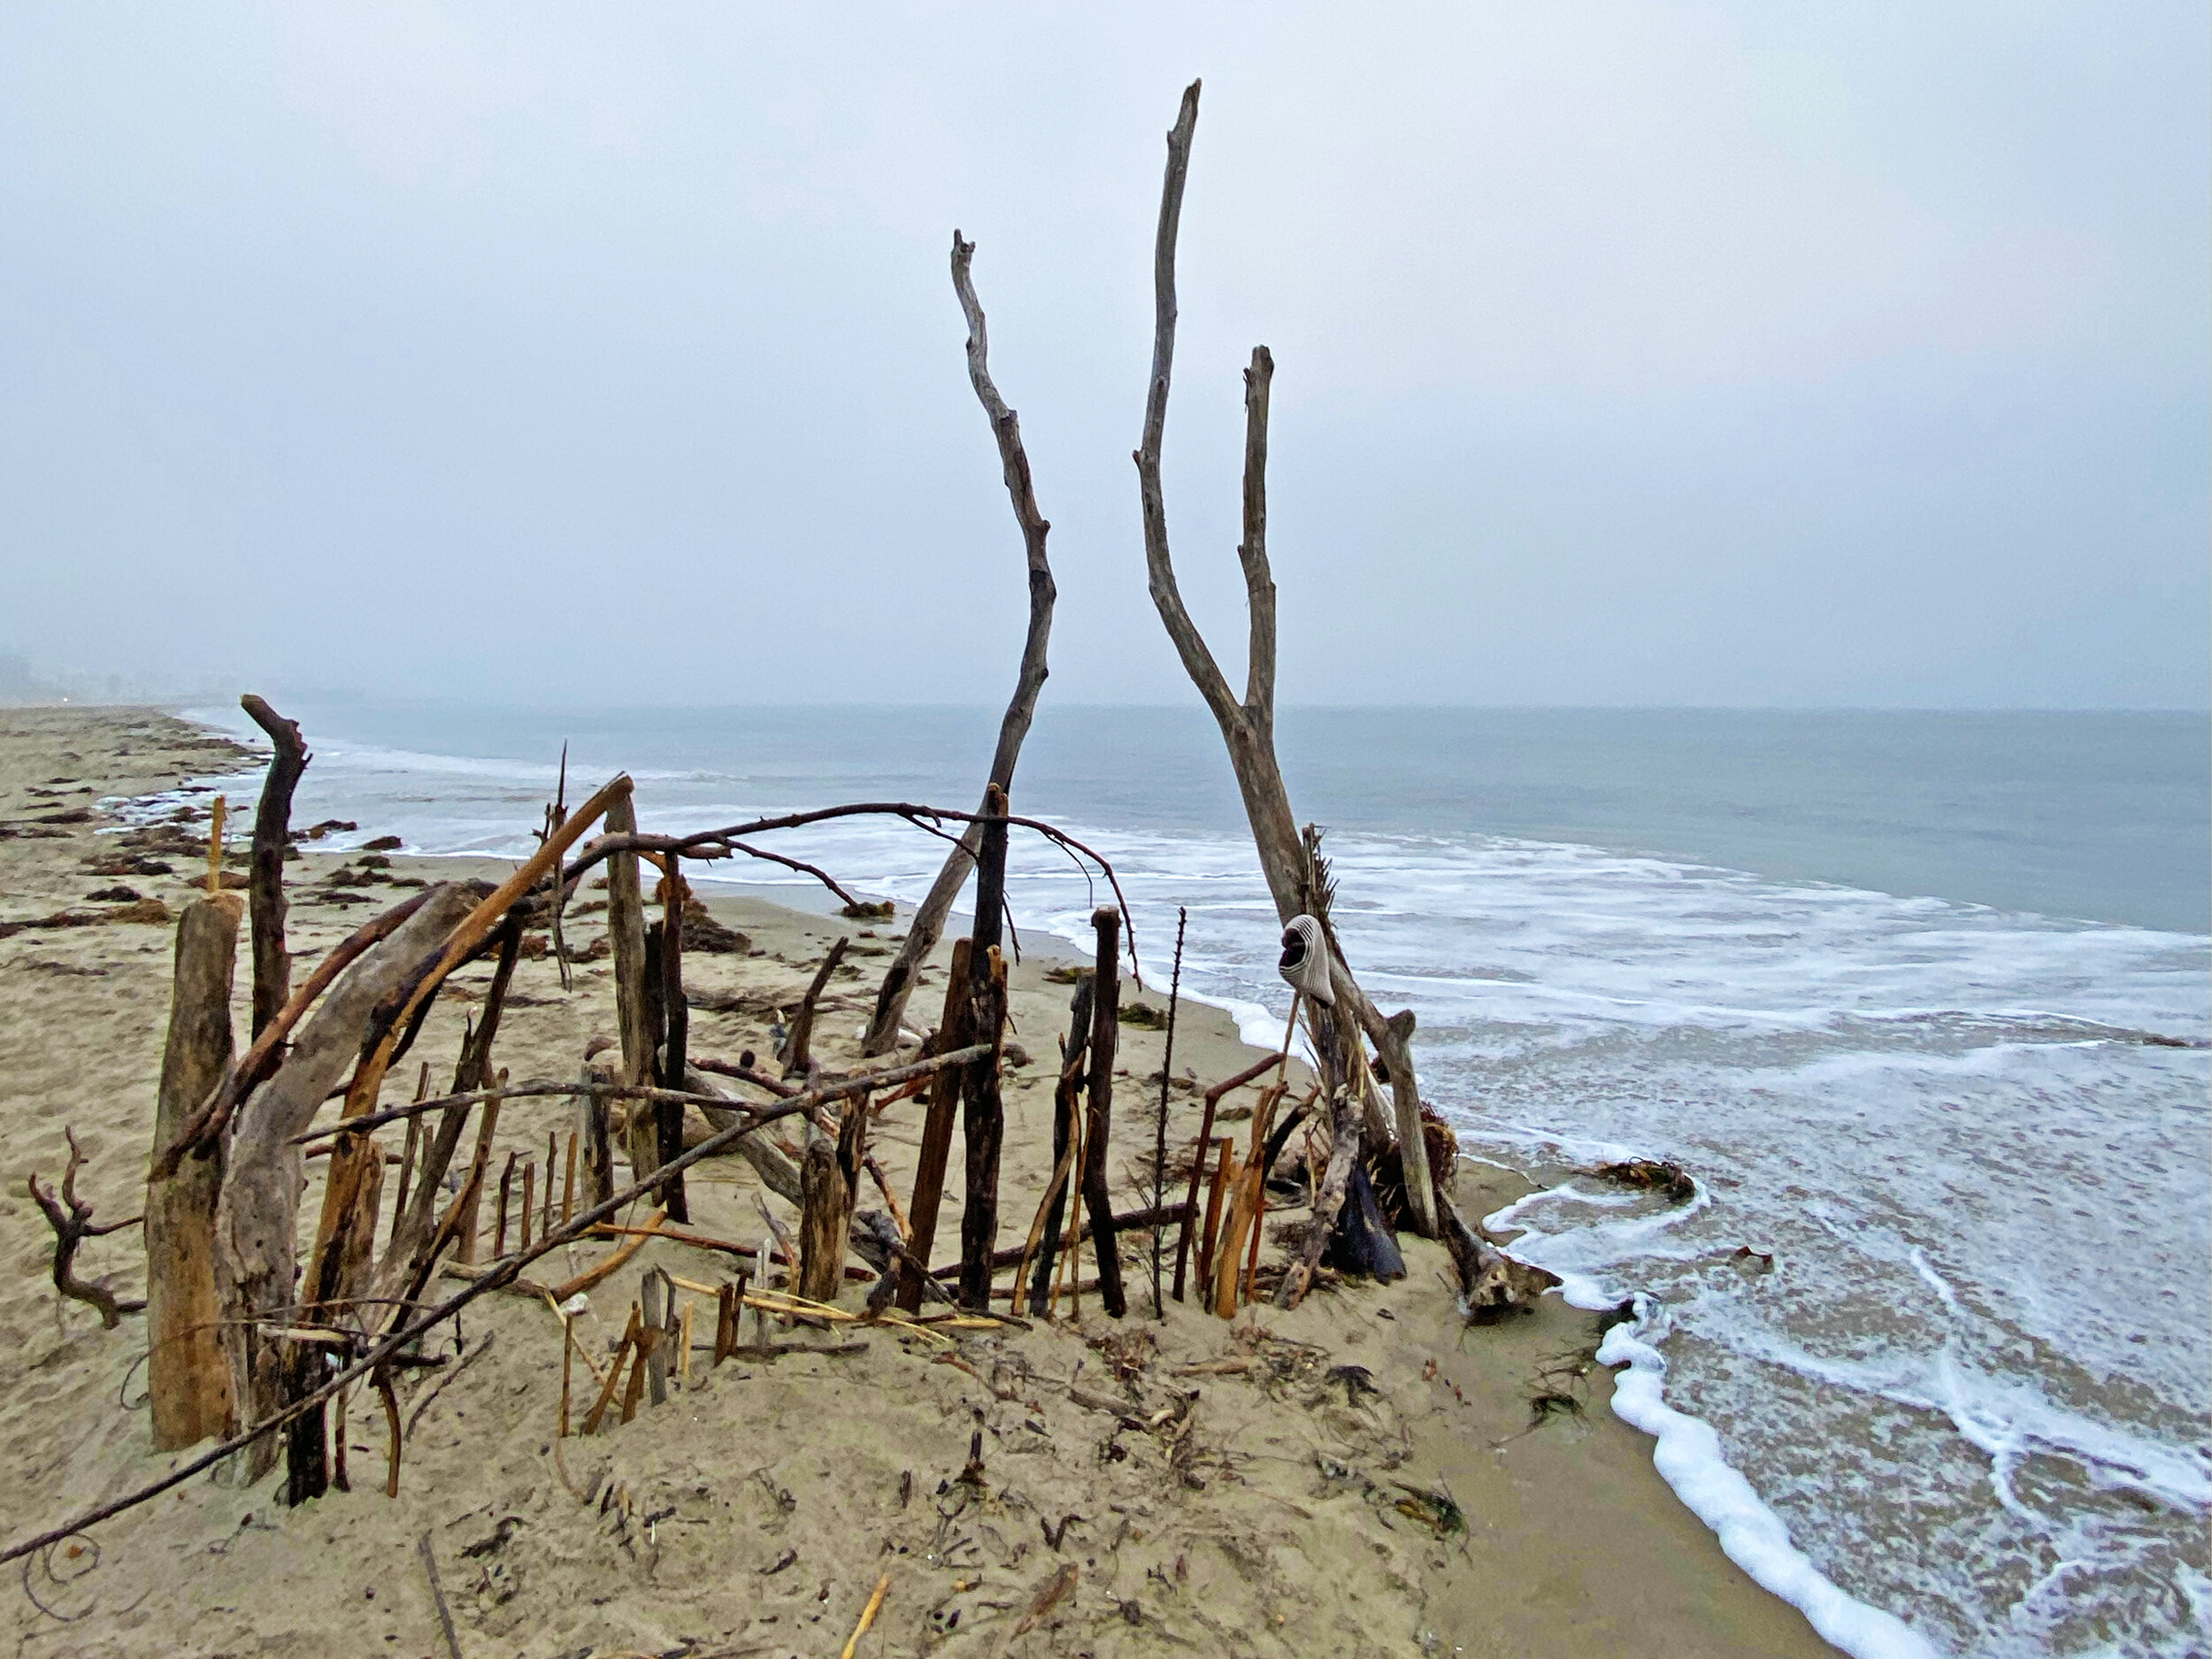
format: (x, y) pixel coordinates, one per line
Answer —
(1248, 727)
(927, 924)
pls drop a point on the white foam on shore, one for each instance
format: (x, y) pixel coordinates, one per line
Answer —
(1688, 1458)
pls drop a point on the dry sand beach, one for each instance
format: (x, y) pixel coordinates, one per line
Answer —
(1144, 1486)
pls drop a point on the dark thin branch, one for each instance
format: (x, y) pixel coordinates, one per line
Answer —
(720, 843)
(71, 1218)
(803, 868)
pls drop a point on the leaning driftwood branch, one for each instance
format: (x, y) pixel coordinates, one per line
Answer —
(496, 1277)
(927, 924)
(1247, 727)
(71, 1218)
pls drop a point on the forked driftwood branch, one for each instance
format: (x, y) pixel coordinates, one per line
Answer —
(1248, 725)
(71, 1218)
(927, 924)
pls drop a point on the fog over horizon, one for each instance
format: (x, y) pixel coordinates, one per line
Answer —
(1721, 356)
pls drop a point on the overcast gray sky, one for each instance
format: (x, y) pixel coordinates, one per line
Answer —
(1726, 353)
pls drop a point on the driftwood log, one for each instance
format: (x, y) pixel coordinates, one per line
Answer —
(927, 924)
(212, 1119)
(186, 1372)
(1248, 725)
(256, 1221)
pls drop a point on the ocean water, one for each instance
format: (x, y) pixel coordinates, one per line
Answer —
(1902, 991)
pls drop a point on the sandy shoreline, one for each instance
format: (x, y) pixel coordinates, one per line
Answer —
(1290, 1544)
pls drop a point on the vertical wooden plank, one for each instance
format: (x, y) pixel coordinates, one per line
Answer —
(676, 1017)
(1105, 1035)
(186, 1369)
(506, 1192)
(983, 1127)
(1064, 1096)
(983, 1114)
(944, 1096)
(640, 1034)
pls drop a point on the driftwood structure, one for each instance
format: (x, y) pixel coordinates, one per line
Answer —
(258, 1329)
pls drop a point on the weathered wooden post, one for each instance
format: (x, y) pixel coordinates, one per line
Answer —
(983, 1114)
(639, 1032)
(186, 1372)
(1105, 1036)
(1065, 1096)
(829, 1184)
(676, 1026)
(956, 1032)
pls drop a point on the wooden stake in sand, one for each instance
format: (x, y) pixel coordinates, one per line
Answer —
(1046, 1236)
(186, 1373)
(215, 848)
(1105, 1034)
(982, 1111)
(568, 1358)
(1159, 1122)
(499, 1230)
(676, 1014)
(956, 1032)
